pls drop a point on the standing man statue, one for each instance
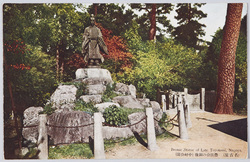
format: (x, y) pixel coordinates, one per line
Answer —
(92, 44)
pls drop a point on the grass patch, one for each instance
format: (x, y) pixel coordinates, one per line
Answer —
(165, 134)
(71, 151)
(131, 111)
(109, 144)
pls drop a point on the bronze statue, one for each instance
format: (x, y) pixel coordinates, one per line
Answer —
(92, 44)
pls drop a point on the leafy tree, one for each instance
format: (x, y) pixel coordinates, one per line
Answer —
(154, 13)
(19, 23)
(29, 79)
(119, 57)
(57, 28)
(166, 65)
(133, 39)
(61, 27)
(226, 66)
(189, 29)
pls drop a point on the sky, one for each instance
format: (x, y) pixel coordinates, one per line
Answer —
(216, 17)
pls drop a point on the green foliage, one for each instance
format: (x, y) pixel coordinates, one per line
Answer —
(166, 65)
(32, 154)
(134, 40)
(86, 107)
(109, 93)
(32, 87)
(48, 109)
(71, 151)
(240, 106)
(163, 119)
(115, 116)
(129, 111)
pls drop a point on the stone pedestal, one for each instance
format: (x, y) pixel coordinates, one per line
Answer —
(83, 73)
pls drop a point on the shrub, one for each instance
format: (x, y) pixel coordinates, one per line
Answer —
(115, 116)
(109, 93)
(86, 107)
(48, 109)
(163, 120)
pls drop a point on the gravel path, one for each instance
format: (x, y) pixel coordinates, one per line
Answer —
(211, 136)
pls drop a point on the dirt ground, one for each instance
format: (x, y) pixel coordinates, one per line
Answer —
(211, 136)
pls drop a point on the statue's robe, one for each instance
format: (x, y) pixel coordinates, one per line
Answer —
(93, 43)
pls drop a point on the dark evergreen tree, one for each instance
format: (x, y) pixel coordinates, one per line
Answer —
(112, 16)
(154, 13)
(189, 29)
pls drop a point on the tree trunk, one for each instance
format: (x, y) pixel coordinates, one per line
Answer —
(62, 71)
(12, 102)
(189, 13)
(152, 30)
(57, 63)
(95, 8)
(226, 66)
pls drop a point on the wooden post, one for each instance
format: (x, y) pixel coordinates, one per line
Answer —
(181, 120)
(203, 99)
(42, 137)
(151, 130)
(98, 138)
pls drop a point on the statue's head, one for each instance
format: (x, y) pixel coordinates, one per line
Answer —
(92, 20)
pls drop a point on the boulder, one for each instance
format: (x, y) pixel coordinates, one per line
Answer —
(144, 101)
(102, 106)
(96, 89)
(70, 126)
(140, 127)
(132, 90)
(64, 97)
(93, 81)
(157, 111)
(155, 105)
(122, 88)
(113, 132)
(128, 101)
(96, 99)
(22, 152)
(93, 73)
(31, 118)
